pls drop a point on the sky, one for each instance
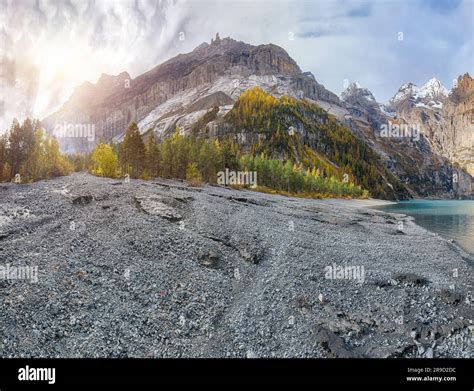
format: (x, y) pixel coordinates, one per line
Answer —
(49, 47)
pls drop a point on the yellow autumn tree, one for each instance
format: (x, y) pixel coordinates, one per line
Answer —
(193, 176)
(104, 161)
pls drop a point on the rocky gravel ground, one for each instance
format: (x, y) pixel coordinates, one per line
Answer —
(159, 269)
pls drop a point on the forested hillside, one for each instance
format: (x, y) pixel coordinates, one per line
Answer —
(302, 132)
(199, 159)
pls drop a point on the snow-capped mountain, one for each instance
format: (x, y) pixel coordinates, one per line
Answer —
(432, 89)
(445, 121)
(429, 95)
(445, 118)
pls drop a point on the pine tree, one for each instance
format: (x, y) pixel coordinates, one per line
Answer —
(132, 152)
(14, 148)
(3, 158)
(33, 165)
(181, 154)
(208, 161)
(57, 164)
(166, 153)
(152, 156)
(229, 155)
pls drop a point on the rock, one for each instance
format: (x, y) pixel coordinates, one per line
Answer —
(250, 354)
(410, 279)
(251, 254)
(208, 258)
(321, 299)
(155, 206)
(451, 297)
(332, 343)
(82, 199)
(378, 351)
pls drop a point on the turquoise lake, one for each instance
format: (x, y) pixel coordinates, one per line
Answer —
(451, 219)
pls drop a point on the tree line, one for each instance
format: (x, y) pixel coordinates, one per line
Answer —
(27, 154)
(199, 160)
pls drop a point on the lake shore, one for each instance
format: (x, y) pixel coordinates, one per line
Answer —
(359, 203)
(159, 269)
(451, 219)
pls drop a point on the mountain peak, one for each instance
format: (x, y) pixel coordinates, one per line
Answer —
(110, 80)
(433, 89)
(463, 88)
(356, 91)
(218, 44)
(465, 81)
(181, 89)
(216, 41)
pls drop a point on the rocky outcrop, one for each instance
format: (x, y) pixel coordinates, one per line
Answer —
(459, 113)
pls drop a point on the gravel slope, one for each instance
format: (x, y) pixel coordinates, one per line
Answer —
(157, 269)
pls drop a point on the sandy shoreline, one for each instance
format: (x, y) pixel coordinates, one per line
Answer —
(358, 203)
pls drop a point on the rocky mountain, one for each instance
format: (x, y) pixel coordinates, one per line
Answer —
(197, 91)
(445, 117)
(435, 158)
(181, 90)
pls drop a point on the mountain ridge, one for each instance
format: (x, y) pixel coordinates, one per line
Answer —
(186, 88)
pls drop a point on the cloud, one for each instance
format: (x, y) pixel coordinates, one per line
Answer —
(57, 45)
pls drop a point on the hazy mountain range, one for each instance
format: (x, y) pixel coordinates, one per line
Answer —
(424, 136)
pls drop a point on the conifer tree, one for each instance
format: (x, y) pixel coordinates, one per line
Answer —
(152, 156)
(166, 154)
(3, 157)
(14, 148)
(132, 152)
(208, 161)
